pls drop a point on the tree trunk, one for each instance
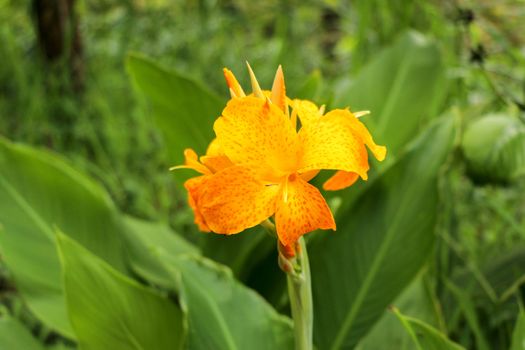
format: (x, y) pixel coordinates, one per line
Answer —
(59, 37)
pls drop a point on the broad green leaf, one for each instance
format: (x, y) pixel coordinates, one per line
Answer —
(402, 86)
(13, 335)
(518, 336)
(424, 336)
(111, 311)
(222, 313)
(240, 252)
(143, 239)
(494, 147)
(61, 346)
(160, 235)
(183, 109)
(380, 244)
(39, 192)
(312, 88)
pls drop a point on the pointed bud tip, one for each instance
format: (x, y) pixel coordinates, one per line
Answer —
(279, 90)
(361, 114)
(257, 92)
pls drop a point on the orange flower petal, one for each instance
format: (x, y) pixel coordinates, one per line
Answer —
(214, 148)
(310, 174)
(334, 142)
(379, 152)
(216, 163)
(191, 161)
(256, 133)
(234, 200)
(301, 209)
(195, 187)
(341, 179)
(306, 110)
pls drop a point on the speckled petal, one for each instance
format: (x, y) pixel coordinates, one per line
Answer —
(195, 187)
(235, 199)
(306, 110)
(379, 152)
(216, 163)
(341, 179)
(334, 142)
(255, 133)
(301, 209)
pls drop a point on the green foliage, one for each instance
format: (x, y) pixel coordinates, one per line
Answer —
(389, 233)
(440, 243)
(110, 311)
(40, 192)
(185, 112)
(13, 335)
(518, 337)
(416, 301)
(424, 336)
(489, 291)
(402, 86)
(183, 109)
(222, 313)
(153, 251)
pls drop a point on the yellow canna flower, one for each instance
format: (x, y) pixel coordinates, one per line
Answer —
(259, 164)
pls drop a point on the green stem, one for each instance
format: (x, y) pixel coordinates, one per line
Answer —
(299, 290)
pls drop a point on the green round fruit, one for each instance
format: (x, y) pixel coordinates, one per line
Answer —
(494, 148)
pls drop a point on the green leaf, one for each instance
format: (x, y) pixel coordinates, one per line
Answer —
(380, 244)
(494, 147)
(424, 336)
(468, 308)
(13, 335)
(222, 313)
(312, 88)
(496, 281)
(143, 239)
(518, 336)
(388, 334)
(240, 252)
(403, 86)
(110, 311)
(40, 191)
(183, 109)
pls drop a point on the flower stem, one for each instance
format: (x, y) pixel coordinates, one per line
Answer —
(300, 293)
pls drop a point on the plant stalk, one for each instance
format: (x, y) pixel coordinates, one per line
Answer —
(300, 293)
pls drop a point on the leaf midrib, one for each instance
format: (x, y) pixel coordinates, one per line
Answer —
(32, 213)
(387, 110)
(134, 341)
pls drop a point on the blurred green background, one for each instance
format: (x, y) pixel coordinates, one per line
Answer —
(72, 81)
